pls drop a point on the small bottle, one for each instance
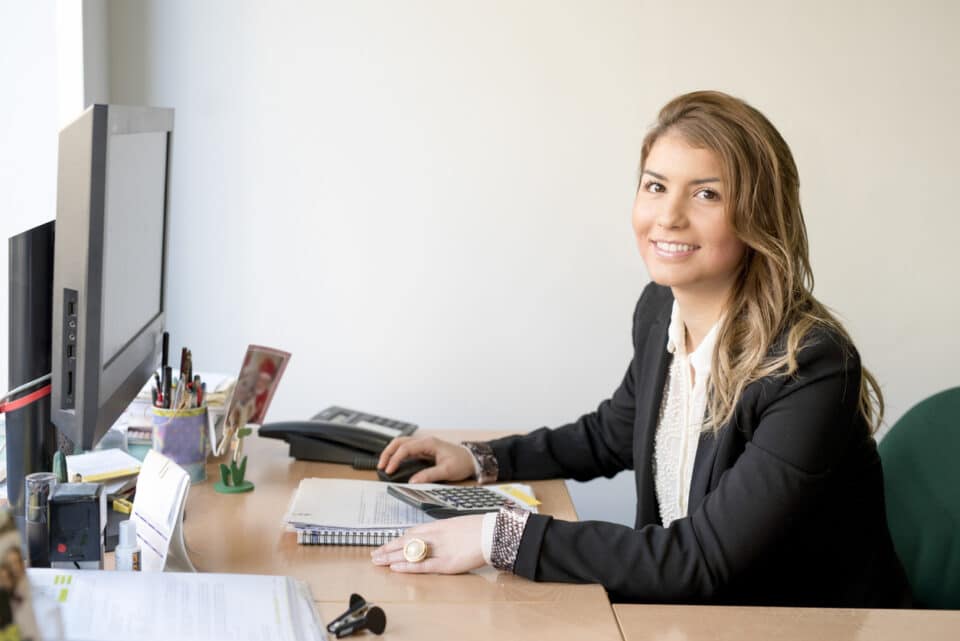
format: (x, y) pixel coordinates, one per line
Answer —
(127, 553)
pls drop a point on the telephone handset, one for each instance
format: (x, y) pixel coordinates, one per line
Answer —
(339, 435)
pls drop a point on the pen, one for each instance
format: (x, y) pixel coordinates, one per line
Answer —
(178, 398)
(166, 349)
(167, 382)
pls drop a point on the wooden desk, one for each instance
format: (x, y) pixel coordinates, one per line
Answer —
(244, 533)
(716, 623)
(492, 621)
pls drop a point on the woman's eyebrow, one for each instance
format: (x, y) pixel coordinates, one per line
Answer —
(698, 181)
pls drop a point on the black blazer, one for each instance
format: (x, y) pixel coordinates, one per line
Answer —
(786, 502)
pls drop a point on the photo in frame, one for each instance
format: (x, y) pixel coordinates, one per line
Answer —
(257, 382)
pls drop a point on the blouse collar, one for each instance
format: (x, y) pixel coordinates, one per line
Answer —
(702, 357)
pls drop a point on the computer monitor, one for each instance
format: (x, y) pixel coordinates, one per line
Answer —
(109, 256)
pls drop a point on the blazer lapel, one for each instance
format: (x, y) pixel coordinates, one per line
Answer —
(656, 361)
(702, 468)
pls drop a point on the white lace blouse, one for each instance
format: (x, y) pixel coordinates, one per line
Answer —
(681, 419)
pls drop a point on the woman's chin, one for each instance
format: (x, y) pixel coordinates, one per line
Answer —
(666, 278)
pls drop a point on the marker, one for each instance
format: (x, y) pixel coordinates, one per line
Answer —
(167, 384)
(166, 349)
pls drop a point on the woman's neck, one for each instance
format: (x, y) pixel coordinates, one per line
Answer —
(699, 314)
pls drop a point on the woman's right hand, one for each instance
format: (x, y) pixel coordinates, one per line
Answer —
(451, 462)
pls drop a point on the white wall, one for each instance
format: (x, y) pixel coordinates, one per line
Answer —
(28, 133)
(94, 30)
(52, 65)
(428, 202)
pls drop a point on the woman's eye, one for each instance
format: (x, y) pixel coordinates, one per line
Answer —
(654, 187)
(707, 194)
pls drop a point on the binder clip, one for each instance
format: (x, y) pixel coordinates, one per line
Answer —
(359, 616)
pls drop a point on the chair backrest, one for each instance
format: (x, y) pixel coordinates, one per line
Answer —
(921, 471)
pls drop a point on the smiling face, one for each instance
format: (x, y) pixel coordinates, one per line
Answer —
(681, 223)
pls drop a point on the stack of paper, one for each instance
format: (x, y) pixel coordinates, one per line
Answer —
(353, 512)
(116, 469)
(348, 512)
(106, 606)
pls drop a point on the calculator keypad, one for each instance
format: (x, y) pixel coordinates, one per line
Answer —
(470, 497)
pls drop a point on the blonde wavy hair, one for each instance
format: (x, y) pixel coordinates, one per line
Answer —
(773, 293)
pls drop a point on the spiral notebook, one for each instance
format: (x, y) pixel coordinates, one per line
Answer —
(333, 536)
(348, 512)
(353, 512)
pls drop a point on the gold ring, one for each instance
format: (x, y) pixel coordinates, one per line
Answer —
(415, 550)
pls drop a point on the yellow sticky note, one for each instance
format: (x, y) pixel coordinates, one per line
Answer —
(123, 506)
(519, 494)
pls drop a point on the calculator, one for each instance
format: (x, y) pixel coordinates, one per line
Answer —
(444, 502)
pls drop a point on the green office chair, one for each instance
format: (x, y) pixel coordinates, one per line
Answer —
(921, 472)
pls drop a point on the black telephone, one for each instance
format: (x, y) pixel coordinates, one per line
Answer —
(339, 435)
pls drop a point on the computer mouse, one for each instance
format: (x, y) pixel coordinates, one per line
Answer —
(406, 469)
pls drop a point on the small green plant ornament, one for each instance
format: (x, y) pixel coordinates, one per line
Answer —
(231, 478)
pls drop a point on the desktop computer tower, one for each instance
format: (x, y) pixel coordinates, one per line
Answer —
(31, 437)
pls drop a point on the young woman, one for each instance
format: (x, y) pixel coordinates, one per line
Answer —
(745, 411)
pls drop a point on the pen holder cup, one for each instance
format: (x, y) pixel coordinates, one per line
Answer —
(181, 436)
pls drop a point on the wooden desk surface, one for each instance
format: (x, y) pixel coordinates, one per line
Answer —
(492, 621)
(244, 533)
(718, 623)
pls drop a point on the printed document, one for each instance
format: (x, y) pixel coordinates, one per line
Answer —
(158, 512)
(349, 504)
(97, 605)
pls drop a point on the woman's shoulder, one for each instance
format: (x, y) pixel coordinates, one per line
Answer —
(822, 345)
(652, 309)
(827, 370)
(655, 302)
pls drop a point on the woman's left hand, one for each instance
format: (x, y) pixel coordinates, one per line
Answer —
(453, 547)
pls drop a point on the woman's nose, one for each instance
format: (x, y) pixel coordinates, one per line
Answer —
(671, 214)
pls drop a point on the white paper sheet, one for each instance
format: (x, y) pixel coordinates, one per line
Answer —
(158, 512)
(107, 606)
(343, 503)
